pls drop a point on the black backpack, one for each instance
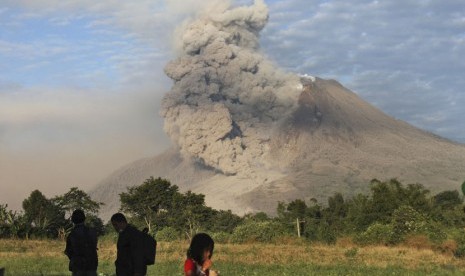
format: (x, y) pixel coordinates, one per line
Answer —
(149, 247)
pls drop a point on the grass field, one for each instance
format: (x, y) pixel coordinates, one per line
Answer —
(43, 257)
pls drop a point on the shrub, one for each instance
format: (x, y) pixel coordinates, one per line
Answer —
(460, 251)
(326, 234)
(168, 234)
(221, 237)
(320, 231)
(459, 237)
(406, 220)
(376, 233)
(262, 231)
(434, 232)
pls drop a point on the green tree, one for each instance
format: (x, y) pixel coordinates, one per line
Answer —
(384, 200)
(358, 219)
(288, 213)
(190, 214)
(447, 200)
(150, 201)
(296, 209)
(260, 216)
(312, 220)
(417, 196)
(388, 196)
(44, 217)
(77, 199)
(226, 221)
(336, 212)
(10, 222)
(447, 209)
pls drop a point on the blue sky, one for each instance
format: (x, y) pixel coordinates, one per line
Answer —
(82, 80)
(39, 50)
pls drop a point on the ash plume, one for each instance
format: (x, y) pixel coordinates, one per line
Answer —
(227, 97)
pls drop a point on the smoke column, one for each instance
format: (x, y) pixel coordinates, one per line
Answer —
(227, 97)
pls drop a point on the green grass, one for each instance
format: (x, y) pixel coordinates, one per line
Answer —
(34, 266)
(30, 258)
(58, 266)
(312, 269)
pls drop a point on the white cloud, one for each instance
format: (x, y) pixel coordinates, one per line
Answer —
(404, 57)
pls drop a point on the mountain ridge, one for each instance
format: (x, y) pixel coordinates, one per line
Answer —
(333, 142)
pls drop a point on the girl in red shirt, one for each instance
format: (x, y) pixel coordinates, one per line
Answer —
(199, 255)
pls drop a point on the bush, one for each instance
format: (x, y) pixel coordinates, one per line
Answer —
(435, 232)
(376, 233)
(326, 233)
(406, 220)
(168, 234)
(221, 237)
(260, 231)
(459, 237)
(320, 230)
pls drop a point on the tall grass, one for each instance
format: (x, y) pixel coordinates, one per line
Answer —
(288, 257)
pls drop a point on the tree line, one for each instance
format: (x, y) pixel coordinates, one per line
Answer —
(42, 217)
(390, 213)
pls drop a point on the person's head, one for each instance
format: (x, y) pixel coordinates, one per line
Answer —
(78, 216)
(119, 222)
(201, 248)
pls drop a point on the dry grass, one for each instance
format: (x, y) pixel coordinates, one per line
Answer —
(31, 248)
(291, 252)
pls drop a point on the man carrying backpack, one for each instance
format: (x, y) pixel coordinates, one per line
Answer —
(81, 247)
(130, 260)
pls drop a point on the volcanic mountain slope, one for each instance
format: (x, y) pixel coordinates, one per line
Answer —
(332, 142)
(247, 134)
(346, 143)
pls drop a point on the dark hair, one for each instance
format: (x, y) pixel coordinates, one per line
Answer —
(78, 216)
(118, 217)
(200, 242)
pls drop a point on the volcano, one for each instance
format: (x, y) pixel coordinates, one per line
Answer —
(247, 134)
(333, 142)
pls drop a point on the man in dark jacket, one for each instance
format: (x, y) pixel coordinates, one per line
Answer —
(81, 247)
(130, 258)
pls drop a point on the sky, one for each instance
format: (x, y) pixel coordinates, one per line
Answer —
(81, 81)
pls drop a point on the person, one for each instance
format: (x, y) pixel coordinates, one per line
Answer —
(198, 262)
(81, 247)
(129, 256)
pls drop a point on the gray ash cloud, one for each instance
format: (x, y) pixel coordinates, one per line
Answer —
(227, 97)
